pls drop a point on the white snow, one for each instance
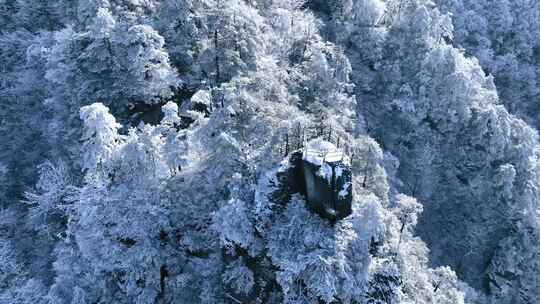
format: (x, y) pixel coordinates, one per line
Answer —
(202, 97)
(338, 171)
(284, 165)
(321, 145)
(319, 151)
(325, 171)
(331, 211)
(231, 111)
(345, 190)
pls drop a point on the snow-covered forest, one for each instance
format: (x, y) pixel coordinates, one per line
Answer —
(269, 151)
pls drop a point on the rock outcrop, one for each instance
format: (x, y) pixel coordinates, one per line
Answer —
(328, 180)
(322, 174)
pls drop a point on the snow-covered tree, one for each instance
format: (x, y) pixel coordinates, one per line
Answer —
(459, 151)
(501, 34)
(116, 63)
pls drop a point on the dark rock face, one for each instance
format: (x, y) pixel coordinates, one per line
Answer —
(290, 180)
(326, 7)
(328, 194)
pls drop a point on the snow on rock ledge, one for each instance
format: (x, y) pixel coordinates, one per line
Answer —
(318, 152)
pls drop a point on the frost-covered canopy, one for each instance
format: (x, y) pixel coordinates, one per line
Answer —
(150, 151)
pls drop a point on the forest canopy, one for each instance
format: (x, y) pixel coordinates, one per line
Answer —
(269, 151)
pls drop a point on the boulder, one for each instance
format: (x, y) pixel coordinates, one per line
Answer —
(328, 180)
(322, 174)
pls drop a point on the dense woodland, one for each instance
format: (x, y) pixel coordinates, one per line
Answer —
(142, 143)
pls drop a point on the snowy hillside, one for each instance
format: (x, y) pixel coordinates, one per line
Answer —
(269, 151)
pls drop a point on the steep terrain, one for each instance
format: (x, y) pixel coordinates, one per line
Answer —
(151, 152)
